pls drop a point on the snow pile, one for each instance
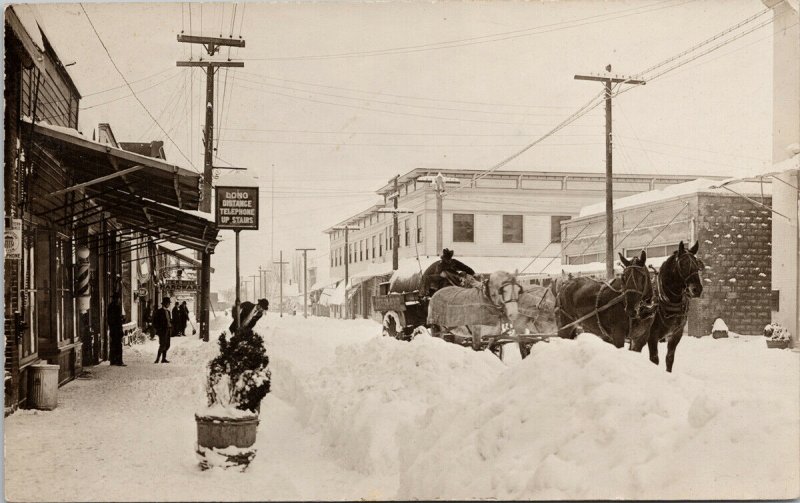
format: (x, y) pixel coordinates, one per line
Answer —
(363, 402)
(582, 420)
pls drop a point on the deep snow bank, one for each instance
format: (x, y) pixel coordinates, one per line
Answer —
(362, 402)
(583, 420)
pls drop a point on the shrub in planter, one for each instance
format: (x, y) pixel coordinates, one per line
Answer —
(238, 379)
(719, 330)
(778, 336)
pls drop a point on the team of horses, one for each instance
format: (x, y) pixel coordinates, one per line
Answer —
(634, 306)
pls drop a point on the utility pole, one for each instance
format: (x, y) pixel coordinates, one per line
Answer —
(305, 278)
(438, 183)
(346, 228)
(281, 264)
(395, 196)
(212, 45)
(255, 297)
(607, 80)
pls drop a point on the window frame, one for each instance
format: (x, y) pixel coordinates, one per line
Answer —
(466, 239)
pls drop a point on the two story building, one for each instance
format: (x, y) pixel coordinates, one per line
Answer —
(502, 220)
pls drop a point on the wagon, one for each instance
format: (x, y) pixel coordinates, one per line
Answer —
(405, 315)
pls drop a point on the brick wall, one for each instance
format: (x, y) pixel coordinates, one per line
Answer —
(735, 245)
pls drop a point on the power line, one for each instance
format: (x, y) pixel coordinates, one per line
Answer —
(388, 133)
(405, 96)
(129, 95)
(424, 145)
(497, 37)
(394, 103)
(129, 85)
(395, 112)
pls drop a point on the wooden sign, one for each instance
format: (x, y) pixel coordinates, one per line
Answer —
(237, 208)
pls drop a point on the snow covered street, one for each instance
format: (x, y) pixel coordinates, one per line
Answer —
(353, 415)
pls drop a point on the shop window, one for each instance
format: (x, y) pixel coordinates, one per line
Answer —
(407, 232)
(512, 228)
(463, 228)
(419, 228)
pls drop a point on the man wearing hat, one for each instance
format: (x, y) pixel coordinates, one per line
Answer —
(445, 272)
(116, 317)
(162, 323)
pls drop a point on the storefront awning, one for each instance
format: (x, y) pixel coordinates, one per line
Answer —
(157, 220)
(96, 164)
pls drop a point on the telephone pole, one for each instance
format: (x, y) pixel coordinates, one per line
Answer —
(255, 297)
(305, 278)
(346, 229)
(607, 80)
(438, 183)
(395, 196)
(212, 45)
(281, 264)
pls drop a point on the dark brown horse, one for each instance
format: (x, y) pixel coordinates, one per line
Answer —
(677, 281)
(613, 310)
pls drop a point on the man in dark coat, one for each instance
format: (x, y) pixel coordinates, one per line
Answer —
(176, 320)
(162, 322)
(249, 313)
(442, 273)
(115, 321)
(184, 317)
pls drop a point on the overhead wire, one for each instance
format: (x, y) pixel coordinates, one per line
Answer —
(497, 37)
(114, 64)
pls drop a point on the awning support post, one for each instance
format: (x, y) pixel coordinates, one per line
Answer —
(205, 283)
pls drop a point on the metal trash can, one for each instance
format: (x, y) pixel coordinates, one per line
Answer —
(44, 387)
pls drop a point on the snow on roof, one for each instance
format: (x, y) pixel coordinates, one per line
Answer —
(600, 267)
(701, 185)
(337, 295)
(61, 129)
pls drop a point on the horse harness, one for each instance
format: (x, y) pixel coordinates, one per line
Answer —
(513, 298)
(614, 301)
(667, 308)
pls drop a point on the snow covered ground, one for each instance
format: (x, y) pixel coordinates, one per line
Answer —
(353, 415)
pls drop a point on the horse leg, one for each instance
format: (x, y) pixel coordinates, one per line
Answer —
(672, 344)
(564, 333)
(652, 345)
(476, 337)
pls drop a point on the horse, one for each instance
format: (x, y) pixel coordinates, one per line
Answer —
(678, 281)
(476, 312)
(611, 309)
(535, 314)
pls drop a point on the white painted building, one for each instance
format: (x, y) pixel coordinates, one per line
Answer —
(505, 215)
(786, 161)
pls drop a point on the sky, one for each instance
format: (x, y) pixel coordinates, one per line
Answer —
(336, 98)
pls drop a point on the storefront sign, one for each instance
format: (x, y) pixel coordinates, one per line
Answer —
(237, 208)
(13, 240)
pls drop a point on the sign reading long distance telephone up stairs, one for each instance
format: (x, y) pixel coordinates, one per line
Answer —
(237, 208)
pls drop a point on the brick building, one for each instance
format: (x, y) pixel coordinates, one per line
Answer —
(734, 235)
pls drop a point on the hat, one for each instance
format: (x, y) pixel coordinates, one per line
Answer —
(447, 254)
(165, 300)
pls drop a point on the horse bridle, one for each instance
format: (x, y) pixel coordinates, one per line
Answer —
(636, 287)
(685, 279)
(501, 294)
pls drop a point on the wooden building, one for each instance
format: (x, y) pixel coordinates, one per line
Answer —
(75, 212)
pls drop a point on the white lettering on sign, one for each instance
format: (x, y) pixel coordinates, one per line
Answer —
(237, 208)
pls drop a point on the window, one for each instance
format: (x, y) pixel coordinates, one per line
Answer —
(332, 258)
(512, 228)
(366, 248)
(380, 244)
(419, 228)
(361, 250)
(555, 227)
(407, 232)
(463, 228)
(373, 247)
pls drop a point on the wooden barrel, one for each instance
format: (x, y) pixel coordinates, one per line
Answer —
(219, 432)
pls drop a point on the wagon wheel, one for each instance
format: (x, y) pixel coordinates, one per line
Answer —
(393, 324)
(421, 330)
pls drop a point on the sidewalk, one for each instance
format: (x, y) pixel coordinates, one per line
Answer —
(129, 433)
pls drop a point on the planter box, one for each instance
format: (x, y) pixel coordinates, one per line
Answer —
(719, 334)
(226, 442)
(777, 344)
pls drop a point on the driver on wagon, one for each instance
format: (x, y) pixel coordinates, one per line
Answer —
(445, 272)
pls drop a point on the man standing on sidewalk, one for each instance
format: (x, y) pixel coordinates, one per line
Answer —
(162, 322)
(115, 320)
